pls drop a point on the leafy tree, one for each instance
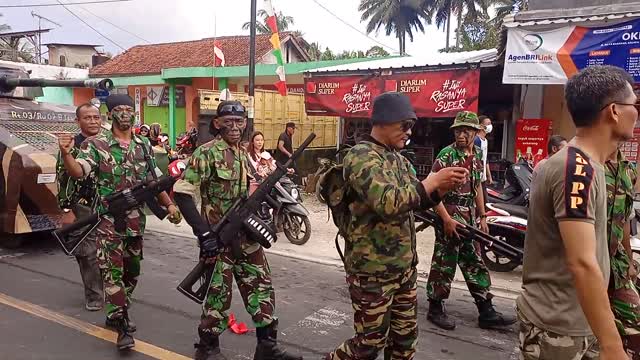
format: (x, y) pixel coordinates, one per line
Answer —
(376, 51)
(328, 55)
(466, 11)
(282, 20)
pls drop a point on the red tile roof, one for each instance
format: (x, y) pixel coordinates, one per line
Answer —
(151, 59)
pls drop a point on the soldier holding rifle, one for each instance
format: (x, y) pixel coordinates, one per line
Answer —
(79, 197)
(219, 169)
(380, 252)
(119, 160)
(451, 249)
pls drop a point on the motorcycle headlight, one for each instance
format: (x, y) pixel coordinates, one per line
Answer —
(295, 193)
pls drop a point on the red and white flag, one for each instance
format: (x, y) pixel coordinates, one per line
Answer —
(218, 54)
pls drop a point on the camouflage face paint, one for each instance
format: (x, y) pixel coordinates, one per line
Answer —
(464, 136)
(123, 118)
(231, 128)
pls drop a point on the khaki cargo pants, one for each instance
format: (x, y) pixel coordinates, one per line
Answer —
(538, 344)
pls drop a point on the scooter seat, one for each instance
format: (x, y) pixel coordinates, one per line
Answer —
(515, 210)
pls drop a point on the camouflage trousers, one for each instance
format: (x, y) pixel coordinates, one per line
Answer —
(253, 277)
(119, 258)
(449, 253)
(625, 304)
(538, 344)
(385, 316)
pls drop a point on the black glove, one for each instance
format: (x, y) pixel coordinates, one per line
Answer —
(208, 245)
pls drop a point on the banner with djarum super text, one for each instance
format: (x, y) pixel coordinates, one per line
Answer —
(553, 56)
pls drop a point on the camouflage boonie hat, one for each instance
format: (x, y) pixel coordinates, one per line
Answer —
(467, 118)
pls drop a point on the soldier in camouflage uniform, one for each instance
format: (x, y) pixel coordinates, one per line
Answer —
(219, 169)
(119, 160)
(621, 176)
(79, 197)
(380, 239)
(449, 251)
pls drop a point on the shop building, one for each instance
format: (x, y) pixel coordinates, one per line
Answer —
(166, 80)
(439, 86)
(548, 44)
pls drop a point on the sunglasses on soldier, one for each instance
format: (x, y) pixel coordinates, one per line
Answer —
(231, 109)
(407, 125)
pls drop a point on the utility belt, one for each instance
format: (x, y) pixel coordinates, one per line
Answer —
(466, 201)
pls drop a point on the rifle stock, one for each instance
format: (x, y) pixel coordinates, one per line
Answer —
(241, 217)
(200, 275)
(117, 205)
(500, 247)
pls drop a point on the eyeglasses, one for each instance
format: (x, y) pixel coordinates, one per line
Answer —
(231, 109)
(240, 122)
(635, 105)
(407, 125)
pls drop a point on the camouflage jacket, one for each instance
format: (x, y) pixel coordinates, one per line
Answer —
(117, 168)
(220, 173)
(621, 177)
(383, 191)
(459, 203)
(72, 191)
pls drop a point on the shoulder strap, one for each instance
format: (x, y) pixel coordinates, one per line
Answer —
(147, 158)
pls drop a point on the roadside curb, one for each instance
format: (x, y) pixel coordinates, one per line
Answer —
(497, 291)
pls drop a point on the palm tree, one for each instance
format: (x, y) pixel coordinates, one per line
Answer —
(16, 49)
(506, 7)
(397, 16)
(315, 51)
(261, 28)
(466, 11)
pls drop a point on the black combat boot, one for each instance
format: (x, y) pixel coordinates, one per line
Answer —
(438, 315)
(267, 348)
(491, 319)
(125, 340)
(112, 323)
(209, 347)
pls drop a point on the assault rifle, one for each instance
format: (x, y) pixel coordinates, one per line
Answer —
(430, 218)
(117, 205)
(241, 217)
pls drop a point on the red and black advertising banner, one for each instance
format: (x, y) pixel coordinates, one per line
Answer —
(532, 136)
(433, 94)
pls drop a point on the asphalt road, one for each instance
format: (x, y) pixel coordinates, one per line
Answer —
(42, 314)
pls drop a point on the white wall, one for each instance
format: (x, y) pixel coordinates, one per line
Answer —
(73, 54)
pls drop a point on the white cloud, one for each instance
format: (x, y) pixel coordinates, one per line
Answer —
(171, 20)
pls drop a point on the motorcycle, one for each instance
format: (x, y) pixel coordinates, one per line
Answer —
(508, 223)
(290, 215)
(515, 190)
(186, 143)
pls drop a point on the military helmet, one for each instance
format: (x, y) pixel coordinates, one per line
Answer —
(467, 118)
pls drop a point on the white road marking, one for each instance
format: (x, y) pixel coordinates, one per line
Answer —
(324, 319)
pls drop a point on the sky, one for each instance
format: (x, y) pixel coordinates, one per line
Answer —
(158, 21)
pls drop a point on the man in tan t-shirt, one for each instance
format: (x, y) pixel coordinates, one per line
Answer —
(564, 302)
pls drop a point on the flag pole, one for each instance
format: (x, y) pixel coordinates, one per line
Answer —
(215, 26)
(252, 68)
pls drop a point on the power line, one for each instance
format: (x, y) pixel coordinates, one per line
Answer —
(75, 3)
(114, 25)
(353, 27)
(92, 28)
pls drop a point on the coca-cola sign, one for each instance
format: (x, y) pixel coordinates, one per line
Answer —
(531, 140)
(531, 128)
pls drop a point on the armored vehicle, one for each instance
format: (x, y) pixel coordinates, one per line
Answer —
(28, 151)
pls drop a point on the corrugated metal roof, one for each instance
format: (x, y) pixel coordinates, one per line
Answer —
(440, 59)
(573, 20)
(587, 15)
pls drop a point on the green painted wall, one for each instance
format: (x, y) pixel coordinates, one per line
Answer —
(160, 115)
(57, 95)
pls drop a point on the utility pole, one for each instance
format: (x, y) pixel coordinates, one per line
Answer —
(39, 46)
(252, 69)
